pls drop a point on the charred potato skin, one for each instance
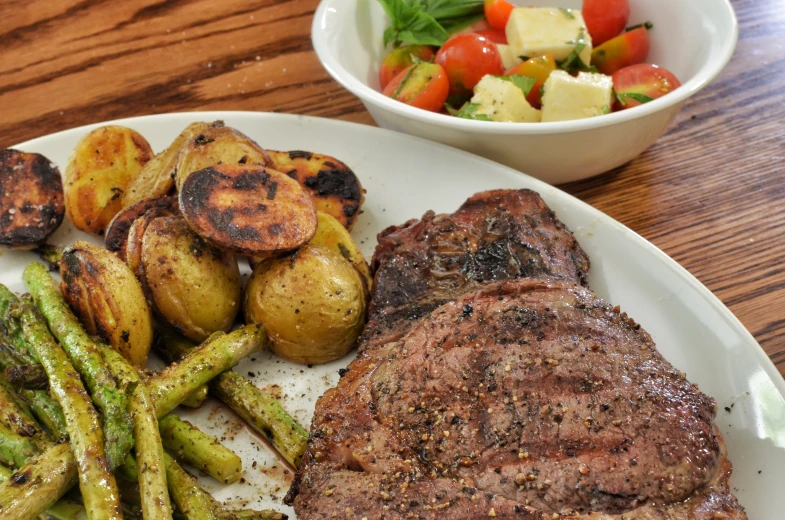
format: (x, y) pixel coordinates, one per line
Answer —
(312, 303)
(103, 292)
(218, 145)
(101, 168)
(252, 211)
(31, 199)
(195, 287)
(116, 238)
(334, 187)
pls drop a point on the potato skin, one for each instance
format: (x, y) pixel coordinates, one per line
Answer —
(116, 238)
(100, 170)
(31, 199)
(193, 286)
(218, 145)
(332, 235)
(332, 185)
(312, 304)
(107, 298)
(247, 209)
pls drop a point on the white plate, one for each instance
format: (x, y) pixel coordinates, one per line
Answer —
(404, 177)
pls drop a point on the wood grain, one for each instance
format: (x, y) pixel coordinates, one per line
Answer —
(709, 193)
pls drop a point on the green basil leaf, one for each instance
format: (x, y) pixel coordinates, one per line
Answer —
(467, 111)
(453, 25)
(445, 9)
(411, 25)
(573, 62)
(640, 98)
(525, 83)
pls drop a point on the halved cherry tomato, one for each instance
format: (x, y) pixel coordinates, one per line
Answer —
(498, 13)
(422, 85)
(605, 19)
(467, 58)
(538, 68)
(644, 82)
(622, 51)
(493, 35)
(401, 58)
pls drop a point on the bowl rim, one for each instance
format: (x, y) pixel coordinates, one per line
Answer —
(707, 73)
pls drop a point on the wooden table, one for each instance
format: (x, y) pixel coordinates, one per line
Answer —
(709, 193)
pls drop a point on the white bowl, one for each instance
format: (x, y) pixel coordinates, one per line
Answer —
(694, 39)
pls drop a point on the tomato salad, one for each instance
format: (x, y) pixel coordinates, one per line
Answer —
(492, 61)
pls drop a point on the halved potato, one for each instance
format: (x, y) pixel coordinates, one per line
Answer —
(133, 246)
(116, 237)
(334, 187)
(194, 286)
(101, 168)
(332, 235)
(218, 145)
(157, 177)
(103, 292)
(250, 210)
(31, 199)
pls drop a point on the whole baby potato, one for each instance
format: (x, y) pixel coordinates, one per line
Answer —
(107, 299)
(192, 285)
(312, 304)
(101, 168)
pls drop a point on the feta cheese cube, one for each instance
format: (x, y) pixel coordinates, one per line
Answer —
(509, 59)
(566, 98)
(503, 101)
(535, 31)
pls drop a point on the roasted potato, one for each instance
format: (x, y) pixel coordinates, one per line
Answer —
(100, 170)
(334, 187)
(218, 145)
(332, 235)
(116, 238)
(103, 292)
(192, 285)
(31, 199)
(157, 177)
(248, 209)
(312, 304)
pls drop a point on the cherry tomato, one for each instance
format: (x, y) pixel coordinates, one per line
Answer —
(498, 13)
(622, 51)
(467, 58)
(401, 58)
(538, 68)
(605, 18)
(493, 35)
(642, 81)
(422, 85)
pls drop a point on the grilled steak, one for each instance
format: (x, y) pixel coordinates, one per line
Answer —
(501, 387)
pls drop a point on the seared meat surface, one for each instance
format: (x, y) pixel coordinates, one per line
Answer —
(495, 235)
(513, 397)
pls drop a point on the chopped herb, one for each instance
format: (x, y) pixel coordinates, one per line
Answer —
(467, 111)
(524, 58)
(606, 109)
(647, 25)
(525, 83)
(403, 82)
(640, 98)
(567, 13)
(573, 62)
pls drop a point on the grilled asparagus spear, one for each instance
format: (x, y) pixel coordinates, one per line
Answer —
(39, 484)
(14, 448)
(196, 399)
(96, 481)
(26, 376)
(263, 412)
(192, 501)
(47, 411)
(168, 387)
(203, 451)
(86, 358)
(149, 450)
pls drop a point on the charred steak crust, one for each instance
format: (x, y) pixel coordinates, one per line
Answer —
(495, 235)
(519, 398)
